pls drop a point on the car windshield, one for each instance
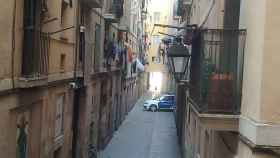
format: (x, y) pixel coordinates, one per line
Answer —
(156, 97)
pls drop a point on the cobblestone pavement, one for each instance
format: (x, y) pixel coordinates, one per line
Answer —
(144, 134)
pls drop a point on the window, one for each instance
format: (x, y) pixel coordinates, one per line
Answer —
(64, 5)
(31, 21)
(62, 62)
(167, 98)
(97, 47)
(170, 98)
(59, 115)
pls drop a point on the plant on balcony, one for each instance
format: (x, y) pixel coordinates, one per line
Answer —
(220, 92)
(208, 70)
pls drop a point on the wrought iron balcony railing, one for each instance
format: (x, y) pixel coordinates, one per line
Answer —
(115, 11)
(35, 54)
(118, 8)
(94, 3)
(217, 70)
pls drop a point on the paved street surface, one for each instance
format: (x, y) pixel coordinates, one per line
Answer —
(144, 135)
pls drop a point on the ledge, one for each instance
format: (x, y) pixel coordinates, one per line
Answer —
(259, 135)
(104, 71)
(6, 84)
(218, 122)
(212, 115)
(32, 82)
(44, 80)
(60, 76)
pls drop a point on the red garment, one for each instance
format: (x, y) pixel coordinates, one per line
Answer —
(130, 55)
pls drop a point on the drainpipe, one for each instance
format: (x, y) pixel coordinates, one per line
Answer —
(75, 122)
(180, 110)
(76, 98)
(13, 45)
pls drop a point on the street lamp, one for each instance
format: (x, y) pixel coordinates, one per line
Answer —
(178, 59)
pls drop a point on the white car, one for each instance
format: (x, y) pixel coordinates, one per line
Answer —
(163, 102)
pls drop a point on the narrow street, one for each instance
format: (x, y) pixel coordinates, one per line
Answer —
(144, 134)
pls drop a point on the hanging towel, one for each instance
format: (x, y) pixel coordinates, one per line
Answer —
(130, 55)
(139, 65)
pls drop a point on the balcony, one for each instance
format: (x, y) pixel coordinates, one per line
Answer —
(115, 11)
(93, 3)
(35, 58)
(217, 70)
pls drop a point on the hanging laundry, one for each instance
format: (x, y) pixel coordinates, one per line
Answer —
(134, 67)
(139, 65)
(118, 51)
(130, 55)
(114, 51)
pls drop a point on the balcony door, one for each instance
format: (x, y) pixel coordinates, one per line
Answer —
(232, 14)
(31, 42)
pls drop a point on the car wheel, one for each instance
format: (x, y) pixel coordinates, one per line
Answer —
(153, 108)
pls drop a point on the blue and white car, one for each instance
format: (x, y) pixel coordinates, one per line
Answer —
(163, 102)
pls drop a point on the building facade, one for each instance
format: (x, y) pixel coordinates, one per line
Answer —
(68, 75)
(229, 109)
(37, 62)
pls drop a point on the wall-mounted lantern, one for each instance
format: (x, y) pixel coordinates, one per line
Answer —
(178, 59)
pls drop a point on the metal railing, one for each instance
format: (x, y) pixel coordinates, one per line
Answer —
(94, 3)
(217, 70)
(117, 8)
(35, 58)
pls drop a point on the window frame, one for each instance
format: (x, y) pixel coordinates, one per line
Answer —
(59, 118)
(97, 47)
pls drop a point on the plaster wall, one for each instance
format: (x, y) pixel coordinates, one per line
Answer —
(253, 19)
(270, 96)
